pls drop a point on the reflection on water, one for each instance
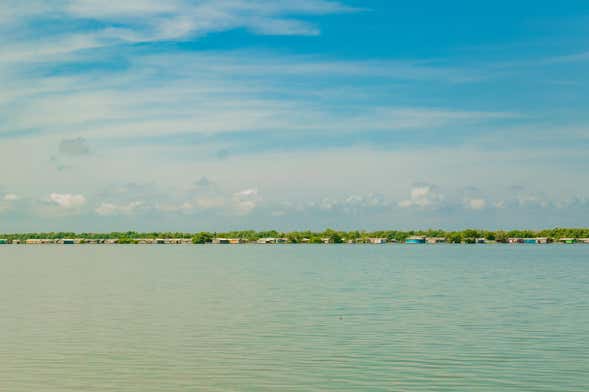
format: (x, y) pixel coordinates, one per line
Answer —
(298, 318)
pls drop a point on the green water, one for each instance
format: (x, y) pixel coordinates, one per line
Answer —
(294, 318)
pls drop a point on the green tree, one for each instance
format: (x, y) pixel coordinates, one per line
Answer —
(333, 236)
(455, 238)
(202, 238)
(501, 236)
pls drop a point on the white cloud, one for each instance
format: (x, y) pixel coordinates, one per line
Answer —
(207, 203)
(423, 196)
(244, 202)
(67, 200)
(110, 209)
(351, 204)
(499, 204)
(74, 147)
(244, 207)
(325, 204)
(226, 204)
(11, 197)
(476, 204)
(8, 202)
(532, 200)
(203, 183)
(247, 193)
(195, 205)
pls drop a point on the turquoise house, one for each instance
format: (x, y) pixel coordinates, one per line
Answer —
(537, 240)
(415, 240)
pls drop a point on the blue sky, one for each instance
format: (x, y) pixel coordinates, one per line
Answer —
(212, 115)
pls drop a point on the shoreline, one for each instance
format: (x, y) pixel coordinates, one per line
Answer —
(58, 243)
(329, 236)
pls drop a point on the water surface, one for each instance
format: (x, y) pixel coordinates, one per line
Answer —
(294, 318)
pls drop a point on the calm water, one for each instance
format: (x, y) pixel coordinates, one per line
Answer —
(294, 318)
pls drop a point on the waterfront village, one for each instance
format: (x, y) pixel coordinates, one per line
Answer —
(562, 236)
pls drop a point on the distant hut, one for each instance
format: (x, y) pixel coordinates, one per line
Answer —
(377, 241)
(537, 240)
(229, 241)
(436, 240)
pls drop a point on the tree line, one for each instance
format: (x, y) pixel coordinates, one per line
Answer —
(334, 236)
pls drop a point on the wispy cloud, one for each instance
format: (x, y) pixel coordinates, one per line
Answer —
(137, 21)
(135, 102)
(181, 18)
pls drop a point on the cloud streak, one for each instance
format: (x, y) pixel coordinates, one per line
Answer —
(144, 21)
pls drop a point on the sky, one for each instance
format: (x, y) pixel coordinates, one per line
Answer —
(211, 115)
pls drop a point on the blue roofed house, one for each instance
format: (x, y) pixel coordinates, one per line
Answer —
(415, 240)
